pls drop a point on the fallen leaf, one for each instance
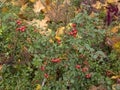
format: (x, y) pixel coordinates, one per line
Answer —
(42, 24)
(38, 6)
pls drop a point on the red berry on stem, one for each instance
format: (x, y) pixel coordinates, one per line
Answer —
(85, 69)
(74, 25)
(74, 31)
(88, 76)
(77, 66)
(81, 25)
(19, 22)
(55, 60)
(46, 75)
(42, 68)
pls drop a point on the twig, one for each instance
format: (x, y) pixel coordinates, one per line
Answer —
(43, 83)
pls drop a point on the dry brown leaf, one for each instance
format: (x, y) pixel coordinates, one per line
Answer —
(92, 14)
(18, 2)
(47, 2)
(38, 6)
(40, 23)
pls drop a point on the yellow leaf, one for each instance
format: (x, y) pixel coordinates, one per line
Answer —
(38, 87)
(23, 7)
(114, 29)
(69, 25)
(51, 41)
(112, 1)
(32, 1)
(57, 37)
(60, 31)
(97, 5)
(115, 77)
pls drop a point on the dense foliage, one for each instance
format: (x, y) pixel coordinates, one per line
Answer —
(76, 54)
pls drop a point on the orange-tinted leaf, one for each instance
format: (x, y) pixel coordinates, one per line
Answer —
(114, 29)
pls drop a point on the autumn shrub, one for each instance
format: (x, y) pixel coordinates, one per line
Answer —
(74, 60)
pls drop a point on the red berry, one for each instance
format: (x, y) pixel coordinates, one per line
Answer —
(37, 81)
(22, 28)
(81, 55)
(42, 68)
(77, 66)
(88, 76)
(19, 22)
(74, 25)
(55, 60)
(59, 41)
(17, 29)
(46, 75)
(85, 69)
(81, 25)
(70, 33)
(74, 31)
(74, 35)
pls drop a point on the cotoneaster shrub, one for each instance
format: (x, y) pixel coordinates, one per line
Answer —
(74, 60)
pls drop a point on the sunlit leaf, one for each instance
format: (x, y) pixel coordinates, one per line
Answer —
(38, 87)
(60, 31)
(114, 29)
(38, 6)
(97, 5)
(115, 77)
(112, 1)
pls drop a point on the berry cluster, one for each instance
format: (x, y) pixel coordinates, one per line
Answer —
(22, 28)
(74, 31)
(85, 69)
